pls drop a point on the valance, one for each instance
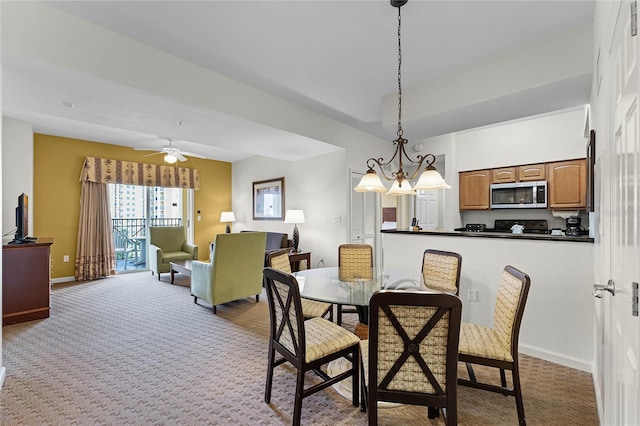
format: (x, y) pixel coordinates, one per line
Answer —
(103, 170)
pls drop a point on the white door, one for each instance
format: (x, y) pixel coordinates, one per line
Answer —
(622, 236)
(427, 209)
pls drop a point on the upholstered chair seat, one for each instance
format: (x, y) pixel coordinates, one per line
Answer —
(484, 342)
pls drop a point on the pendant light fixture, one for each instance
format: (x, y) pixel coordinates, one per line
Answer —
(429, 180)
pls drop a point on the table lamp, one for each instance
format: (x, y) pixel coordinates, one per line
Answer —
(227, 217)
(295, 217)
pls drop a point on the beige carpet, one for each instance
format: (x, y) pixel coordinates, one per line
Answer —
(132, 350)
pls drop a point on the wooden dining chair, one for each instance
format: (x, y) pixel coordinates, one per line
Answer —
(441, 270)
(498, 346)
(279, 260)
(412, 353)
(307, 345)
(355, 262)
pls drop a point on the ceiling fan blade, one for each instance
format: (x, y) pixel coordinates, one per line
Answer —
(145, 149)
(155, 153)
(180, 157)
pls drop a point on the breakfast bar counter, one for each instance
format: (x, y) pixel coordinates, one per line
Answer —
(545, 237)
(559, 314)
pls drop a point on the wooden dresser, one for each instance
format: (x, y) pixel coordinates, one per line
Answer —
(26, 278)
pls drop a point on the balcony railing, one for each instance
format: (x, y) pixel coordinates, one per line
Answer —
(136, 227)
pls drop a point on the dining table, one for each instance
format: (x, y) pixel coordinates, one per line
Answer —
(333, 285)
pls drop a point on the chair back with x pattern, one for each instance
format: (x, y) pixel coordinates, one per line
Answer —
(287, 321)
(413, 350)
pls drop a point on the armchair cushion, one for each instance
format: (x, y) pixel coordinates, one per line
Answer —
(234, 270)
(168, 244)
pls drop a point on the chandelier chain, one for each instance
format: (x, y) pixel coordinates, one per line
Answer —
(399, 75)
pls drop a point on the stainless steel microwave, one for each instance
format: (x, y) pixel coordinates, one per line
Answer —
(520, 195)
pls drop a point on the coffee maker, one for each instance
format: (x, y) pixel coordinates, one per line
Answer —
(573, 227)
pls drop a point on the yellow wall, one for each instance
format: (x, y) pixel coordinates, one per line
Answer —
(57, 166)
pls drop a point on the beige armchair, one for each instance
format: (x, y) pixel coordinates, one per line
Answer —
(234, 270)
(168, 244)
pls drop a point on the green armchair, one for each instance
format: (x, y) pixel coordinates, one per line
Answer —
(168, 244)
(234, 270)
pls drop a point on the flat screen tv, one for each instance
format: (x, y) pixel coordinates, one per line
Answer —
(22, 221)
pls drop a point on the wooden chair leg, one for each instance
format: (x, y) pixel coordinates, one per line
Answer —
(503, 378)
(269, 384)
(214, 310)
(195, 299)
(297, 405)
(518, 394)
(339, 321)
(433, 412)
(355, 365)
(257, 298)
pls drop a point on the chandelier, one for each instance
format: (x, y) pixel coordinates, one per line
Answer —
(429, 180)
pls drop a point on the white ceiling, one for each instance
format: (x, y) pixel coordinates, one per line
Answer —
(338, 58)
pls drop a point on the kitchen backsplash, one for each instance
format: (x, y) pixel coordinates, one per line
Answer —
(489, 217)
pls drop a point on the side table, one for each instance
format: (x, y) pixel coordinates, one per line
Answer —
(296, 257)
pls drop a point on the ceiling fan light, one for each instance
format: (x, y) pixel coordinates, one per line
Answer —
(403, 188)
(370, 182)
(430, 180)
(170, 158)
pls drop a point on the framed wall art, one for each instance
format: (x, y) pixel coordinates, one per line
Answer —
(268, 199)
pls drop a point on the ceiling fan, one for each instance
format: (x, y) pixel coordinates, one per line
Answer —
(172, 153)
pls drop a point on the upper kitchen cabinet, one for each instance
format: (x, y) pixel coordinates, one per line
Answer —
(532, 172)
(474, 190)
(567, 184)
(504, 175)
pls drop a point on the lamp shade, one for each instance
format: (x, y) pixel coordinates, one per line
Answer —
(370, 182)
(170, 158)
(401, 189)
(430, 180)
(227, 217)
(294, 216)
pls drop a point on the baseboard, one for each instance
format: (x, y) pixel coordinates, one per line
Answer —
(557, 358)
(3, 374)
(62, 280)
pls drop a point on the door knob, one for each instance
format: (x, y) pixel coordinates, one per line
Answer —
(599, 288)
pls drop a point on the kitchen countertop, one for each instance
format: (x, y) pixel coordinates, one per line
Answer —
(538, 237)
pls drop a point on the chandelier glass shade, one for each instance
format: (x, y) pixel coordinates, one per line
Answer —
(429, 179)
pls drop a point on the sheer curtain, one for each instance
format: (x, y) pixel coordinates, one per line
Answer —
(95, 255)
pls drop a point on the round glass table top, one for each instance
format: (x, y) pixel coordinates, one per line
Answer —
(330, 285)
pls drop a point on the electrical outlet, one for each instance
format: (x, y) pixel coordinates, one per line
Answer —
(65, 258)
(472, 295)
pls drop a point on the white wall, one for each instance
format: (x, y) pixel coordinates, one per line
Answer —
(558, 318)
(17, 171)
(550, 137)
(318, 186)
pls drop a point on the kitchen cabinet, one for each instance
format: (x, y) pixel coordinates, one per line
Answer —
(474, 190)
(532, 172)
(504, 175)
(567, 184)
